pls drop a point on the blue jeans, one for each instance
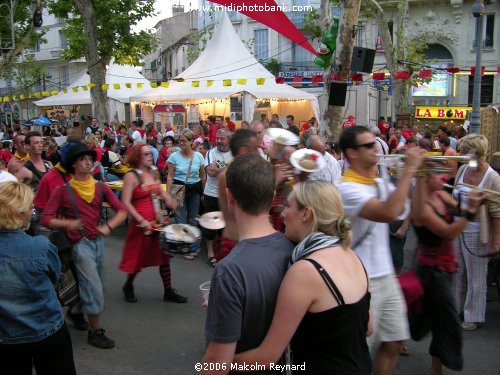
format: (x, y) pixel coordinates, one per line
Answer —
(188, 213)
(88, 256)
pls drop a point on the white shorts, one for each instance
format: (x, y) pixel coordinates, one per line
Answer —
(389, 311)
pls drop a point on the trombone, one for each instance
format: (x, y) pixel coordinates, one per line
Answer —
(493, 199)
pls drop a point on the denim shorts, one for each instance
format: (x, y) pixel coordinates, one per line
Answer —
(88, 256)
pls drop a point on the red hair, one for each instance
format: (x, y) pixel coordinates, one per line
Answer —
(135, 155)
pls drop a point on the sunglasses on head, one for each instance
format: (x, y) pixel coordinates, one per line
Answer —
(366, 145)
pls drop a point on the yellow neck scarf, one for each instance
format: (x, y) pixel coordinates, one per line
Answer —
(24, 158)
(85, 189)
(60, 168)
(352, 176)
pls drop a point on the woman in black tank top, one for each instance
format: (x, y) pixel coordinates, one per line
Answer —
(323, 303)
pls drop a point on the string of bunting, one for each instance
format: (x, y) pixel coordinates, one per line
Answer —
(128, 85)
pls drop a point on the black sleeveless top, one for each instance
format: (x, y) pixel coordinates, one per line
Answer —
(333, 341)
(425, 236)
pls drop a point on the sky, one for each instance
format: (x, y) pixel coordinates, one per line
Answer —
(164, 10)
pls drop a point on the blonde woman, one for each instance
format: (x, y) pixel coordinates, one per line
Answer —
(31, 323)
(480, 238)
(323, 303)
(186, 167)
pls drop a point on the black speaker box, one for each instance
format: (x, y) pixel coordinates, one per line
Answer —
(337, 94)
(362, 60)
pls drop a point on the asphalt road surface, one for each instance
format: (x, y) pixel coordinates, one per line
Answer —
(156, 337)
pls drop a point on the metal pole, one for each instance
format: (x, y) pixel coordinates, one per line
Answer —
(476, 98)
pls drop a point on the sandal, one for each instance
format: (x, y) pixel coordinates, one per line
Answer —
(189, 257)
(211, 262)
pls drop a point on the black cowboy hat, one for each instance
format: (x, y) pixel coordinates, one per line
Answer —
(74, 152)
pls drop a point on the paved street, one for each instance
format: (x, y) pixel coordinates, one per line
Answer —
(156, 337)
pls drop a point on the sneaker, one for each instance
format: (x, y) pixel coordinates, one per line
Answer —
(100, 340)
(128, 290)
(78, 321)
(171, 296)
(469, 326)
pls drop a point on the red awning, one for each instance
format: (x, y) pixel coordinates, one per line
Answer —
(162, 108)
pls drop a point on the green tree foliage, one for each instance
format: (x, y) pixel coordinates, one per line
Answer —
(25, 33)
(26, 73)
(115, 20)
(273, 66)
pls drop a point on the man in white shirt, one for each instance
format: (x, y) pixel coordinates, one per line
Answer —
(139, 135)
(371, 203)
(216, 160)
(332, 170)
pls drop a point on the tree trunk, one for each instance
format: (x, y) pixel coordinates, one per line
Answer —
(96, 67)
(333, 115)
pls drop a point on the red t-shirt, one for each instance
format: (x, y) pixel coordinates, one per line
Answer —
(348, 124)
(90, 213)
(49, 182)
(384, 127)
(231, 126)
(5, 155)
(212, 134)
(407, 134)
(162, 158)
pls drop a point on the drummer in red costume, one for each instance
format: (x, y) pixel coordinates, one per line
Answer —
(141, 195)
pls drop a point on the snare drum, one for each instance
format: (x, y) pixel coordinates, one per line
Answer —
(179, 239)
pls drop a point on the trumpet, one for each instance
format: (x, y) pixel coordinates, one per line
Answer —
(395, 161)
(483, 190)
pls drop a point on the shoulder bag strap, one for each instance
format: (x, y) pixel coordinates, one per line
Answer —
(75, 208)
(189, 170)
(329, 282)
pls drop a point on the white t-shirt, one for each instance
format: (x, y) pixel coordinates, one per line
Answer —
(374, 250)
(138, 138)
(222, 159)
(7, 177)
(330, 173)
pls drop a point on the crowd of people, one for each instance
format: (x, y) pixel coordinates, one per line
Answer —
(305, 269)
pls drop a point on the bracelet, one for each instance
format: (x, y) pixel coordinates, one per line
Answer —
(469, 216)
(109, 227)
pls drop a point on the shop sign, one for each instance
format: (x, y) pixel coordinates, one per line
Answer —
(300, 73)
(445, 113)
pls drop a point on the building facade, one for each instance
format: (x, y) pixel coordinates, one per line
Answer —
(59, 73)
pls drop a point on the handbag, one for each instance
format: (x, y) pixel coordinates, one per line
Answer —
(413, 290)
(67, 288)
(178, 191)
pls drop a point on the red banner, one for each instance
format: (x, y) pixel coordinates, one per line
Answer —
(268, 13)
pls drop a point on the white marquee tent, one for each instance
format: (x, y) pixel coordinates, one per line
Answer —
(226, 58)
(116, 74)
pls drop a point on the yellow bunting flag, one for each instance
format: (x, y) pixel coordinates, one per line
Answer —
(14, 98)
(153, 85)
(37, 95)
(85, 88)
(195, 84)
(139, 85)
(260, 81)
(21, 97)
(241, 81)
(91, 85)
(226, 82)
(105, 87)
(1, 99)
(116, 86)
(74, 89)
(128, 85)
(210, 82)
(6, 99)
(54, 92)
(45, 93)
(165, 85)
(65, 91)
(179, 79)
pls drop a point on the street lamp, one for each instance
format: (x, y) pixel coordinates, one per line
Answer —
(477, 11)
